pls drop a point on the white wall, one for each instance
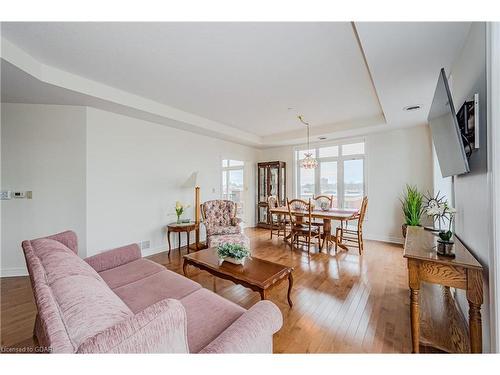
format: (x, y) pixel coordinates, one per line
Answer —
(43, 150)
(111, 178)
(135, 170)
(393, 159)
(472, 190)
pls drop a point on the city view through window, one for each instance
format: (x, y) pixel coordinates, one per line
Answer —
(340, 173)
(232, 183)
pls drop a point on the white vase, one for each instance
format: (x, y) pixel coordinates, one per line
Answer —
(232, 260)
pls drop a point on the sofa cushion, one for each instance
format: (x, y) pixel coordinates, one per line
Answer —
(208, 315)
(130, 272)
(59, 261)
(223, 229)
(241, 239)
(151, 289)
(85, 303)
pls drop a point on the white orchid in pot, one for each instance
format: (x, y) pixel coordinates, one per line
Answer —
(179, 210)
(438, 208)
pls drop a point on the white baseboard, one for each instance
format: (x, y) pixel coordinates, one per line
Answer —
(154, 250)
(384, 238)
(13, 271)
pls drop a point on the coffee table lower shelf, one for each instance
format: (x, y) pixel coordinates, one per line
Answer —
(256, 274)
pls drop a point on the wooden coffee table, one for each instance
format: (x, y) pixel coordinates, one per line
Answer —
(257, 274)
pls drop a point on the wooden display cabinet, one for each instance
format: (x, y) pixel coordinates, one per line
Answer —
(271, 180)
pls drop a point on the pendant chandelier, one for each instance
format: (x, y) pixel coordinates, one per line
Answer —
(308, 162)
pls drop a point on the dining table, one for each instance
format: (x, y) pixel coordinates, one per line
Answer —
(338, 214)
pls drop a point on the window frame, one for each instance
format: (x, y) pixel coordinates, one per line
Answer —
(227, 169)
(340, 159)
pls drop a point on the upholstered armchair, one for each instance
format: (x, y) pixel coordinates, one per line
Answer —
(221, 223)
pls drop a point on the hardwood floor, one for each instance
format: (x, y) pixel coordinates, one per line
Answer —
(343, 303)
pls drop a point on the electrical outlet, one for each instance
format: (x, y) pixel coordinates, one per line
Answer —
(145, 245)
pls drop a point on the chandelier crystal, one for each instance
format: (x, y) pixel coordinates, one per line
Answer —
(308, 162)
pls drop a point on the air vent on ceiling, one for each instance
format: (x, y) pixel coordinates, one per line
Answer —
(412, 108)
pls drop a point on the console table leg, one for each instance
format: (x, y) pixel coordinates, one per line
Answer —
(476, 340)
(415, 319)
(290, 284)
(475, 298)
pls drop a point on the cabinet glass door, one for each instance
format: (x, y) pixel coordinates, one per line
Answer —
(273, 181)
(262, 184)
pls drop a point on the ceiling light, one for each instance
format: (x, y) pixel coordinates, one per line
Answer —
(411, 108)
(308, 162)
(322, 138)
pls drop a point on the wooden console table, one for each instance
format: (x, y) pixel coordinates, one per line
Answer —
(463, 272)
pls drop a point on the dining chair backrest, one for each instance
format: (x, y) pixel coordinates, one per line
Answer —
(323, 198)
(299, 205)
(362, 212)
(272, 201)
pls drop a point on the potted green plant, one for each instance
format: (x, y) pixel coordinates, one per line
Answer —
(445, 243)
(412, 204)
(232, 253)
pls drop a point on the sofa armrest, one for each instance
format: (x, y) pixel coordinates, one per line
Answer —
(114, 258)
(250, 333)
(160, 328)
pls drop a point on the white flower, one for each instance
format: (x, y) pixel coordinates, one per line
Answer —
(432, 211)
(442, 209)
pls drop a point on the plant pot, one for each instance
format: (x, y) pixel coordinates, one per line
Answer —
(404, 228)
(232, 260)
(445, 248)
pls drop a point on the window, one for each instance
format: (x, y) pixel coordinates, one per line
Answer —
(341, 173)
(232, 182)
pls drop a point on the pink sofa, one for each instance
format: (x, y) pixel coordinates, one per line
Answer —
(117, 302)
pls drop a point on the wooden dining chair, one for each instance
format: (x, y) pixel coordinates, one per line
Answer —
(302, 227)
(318, 200)
(353, 234)
(277, 222)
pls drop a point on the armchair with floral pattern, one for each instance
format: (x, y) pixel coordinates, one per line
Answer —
(221, 223)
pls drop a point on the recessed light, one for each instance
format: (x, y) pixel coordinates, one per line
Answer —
(411, 108)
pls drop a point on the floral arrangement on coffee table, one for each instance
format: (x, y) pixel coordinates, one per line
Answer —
(233, 253)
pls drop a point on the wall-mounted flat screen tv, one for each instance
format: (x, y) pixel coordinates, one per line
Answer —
(445, 131)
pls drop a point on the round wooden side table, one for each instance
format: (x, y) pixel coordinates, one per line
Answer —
(179, 228)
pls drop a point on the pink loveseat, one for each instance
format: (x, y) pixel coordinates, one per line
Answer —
(118, 302)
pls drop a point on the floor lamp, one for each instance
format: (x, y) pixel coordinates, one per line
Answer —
(192, 182)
